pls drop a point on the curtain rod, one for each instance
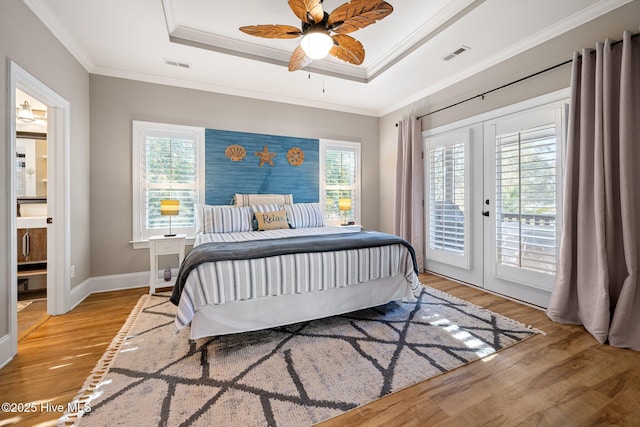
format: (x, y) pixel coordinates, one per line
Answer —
(481, 95)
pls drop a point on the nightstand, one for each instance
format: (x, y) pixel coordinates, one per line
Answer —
(161, 245)
(353, 227)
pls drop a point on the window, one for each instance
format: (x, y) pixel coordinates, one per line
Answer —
(526, 199)
(340, 179)
(166, 165)
(446, 165)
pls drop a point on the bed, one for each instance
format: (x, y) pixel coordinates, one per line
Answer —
(260, 266)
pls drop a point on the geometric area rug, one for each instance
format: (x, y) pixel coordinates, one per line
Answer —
(295, 375)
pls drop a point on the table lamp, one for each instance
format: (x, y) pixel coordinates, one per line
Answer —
(170, 208)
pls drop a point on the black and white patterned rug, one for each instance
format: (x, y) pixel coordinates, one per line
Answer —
(290, 376)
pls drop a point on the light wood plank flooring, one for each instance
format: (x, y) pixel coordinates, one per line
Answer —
(562, 379)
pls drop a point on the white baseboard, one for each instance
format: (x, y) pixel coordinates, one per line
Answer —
(5, 350)
(115, 282)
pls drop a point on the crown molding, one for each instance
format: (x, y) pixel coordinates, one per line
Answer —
(561, 27)
(44, 13)
(231, 46)
(226, 90)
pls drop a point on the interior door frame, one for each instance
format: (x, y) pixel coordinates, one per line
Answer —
(58, 242)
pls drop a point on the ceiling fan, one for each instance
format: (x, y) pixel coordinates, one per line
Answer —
(317, 26)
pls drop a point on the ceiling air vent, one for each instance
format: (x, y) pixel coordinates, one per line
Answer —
(175, 63)
(456, 53)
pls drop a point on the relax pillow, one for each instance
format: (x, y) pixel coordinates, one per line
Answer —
(272, 220)
(223, 219)
(262, 208)
(304, 215)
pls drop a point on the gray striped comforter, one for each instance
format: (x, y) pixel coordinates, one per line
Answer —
(241, 279)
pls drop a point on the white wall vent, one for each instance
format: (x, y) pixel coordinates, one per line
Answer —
(175, 63)
(456, 52)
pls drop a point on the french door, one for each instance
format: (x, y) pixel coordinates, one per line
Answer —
(523, 199)
(492, 202)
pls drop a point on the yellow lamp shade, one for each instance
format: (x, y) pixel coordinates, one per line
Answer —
(344, 204)
(169, 207)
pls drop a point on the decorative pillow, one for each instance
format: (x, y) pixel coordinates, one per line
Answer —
(263, 199)
(223, 219)
(262, 208)
(304, 215)
(272, 220)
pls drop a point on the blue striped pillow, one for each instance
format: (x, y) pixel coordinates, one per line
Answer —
(304, 215)
(223, 219)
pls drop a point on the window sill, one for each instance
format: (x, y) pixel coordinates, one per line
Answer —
(144, 244)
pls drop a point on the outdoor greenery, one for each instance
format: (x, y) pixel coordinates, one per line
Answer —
(170, 174)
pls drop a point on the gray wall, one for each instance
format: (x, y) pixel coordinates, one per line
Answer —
(611, 25)
(27, 42)
(116, 102)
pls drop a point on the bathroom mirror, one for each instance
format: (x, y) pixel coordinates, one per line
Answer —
(31, 167)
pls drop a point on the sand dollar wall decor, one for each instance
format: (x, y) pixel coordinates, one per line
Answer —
(295, 156)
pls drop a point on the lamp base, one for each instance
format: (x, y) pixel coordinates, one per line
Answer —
(169, 235)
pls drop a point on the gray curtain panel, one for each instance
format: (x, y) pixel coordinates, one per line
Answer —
(597, 276)
(408, 214)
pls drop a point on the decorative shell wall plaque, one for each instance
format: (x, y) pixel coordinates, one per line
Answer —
(235, 152)
(295, 156)
(265, 156)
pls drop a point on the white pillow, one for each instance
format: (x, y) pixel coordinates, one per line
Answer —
(223, 219)
(304, 215)
(263, 199)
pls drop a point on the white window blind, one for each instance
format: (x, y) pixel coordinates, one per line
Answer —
(340, 179)
(447, 173)
(526, 199)
(447, 198)
(166, 166)
(169, 173)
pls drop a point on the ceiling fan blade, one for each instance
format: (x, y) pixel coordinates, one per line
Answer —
(357, 14)
(298, 60)
(272, 31)
(347, 48)
(309, 11)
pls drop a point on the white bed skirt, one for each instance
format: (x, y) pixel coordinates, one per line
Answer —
(250, 315)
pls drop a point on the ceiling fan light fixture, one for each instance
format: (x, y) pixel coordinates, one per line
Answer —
(316, 44)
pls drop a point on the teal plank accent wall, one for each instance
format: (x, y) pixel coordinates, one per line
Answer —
(224, 178)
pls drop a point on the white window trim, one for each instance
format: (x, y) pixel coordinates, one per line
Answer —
(139, 130)
(326, 144)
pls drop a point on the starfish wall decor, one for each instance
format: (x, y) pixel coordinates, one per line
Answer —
(265, 156)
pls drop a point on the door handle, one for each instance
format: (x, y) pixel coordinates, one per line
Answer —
(485, 213)
(25, 244)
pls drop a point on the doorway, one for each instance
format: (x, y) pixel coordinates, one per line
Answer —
(57, 197)
(31, 182)
(493, 200)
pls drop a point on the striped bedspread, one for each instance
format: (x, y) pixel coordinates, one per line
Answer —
(235, 280)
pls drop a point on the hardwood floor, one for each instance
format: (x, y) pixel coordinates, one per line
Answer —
(564, 378)
(54, 360)
(31, 317)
